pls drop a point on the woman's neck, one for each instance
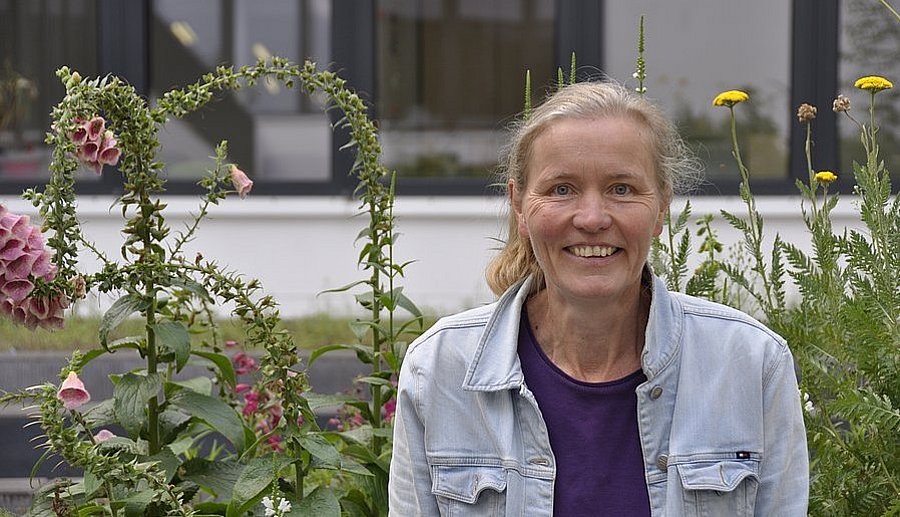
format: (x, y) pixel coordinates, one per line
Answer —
(593, 342)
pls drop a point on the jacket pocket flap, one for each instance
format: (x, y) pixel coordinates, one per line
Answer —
(722, 476)
(465, 483)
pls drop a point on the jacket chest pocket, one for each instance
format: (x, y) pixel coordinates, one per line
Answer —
(719, 487)
(469, 490)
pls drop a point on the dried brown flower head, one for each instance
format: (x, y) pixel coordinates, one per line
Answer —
(842, 103)
(806, 113)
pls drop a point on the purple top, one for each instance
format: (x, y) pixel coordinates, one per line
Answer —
(593, 433)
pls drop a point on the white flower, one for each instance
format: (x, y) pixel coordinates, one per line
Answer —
(635, 75)
(807, 404)
(269, 505)
(284, 506)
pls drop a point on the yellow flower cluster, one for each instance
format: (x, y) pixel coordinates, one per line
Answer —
(826, 177)
(875, 83)
(730, 98)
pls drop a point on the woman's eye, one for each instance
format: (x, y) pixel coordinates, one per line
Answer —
(621, 190)
(562, 190)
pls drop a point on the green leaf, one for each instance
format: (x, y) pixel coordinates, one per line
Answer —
(117, 313)
(168, 462)
(201, 385)
(136, 503)
(350, 466)
(375, 381)
(123, 444)
(408, 305)
(91, 483)
(88, 357)
(318, 400)
(130, 398)
(321, 502)
(222, 362)
(342, 288)
(321, 450)
(322, 350)
(192, 287)
(215, 413)
(254, 480)
(102, 414)
(173, 336)
(218, 476)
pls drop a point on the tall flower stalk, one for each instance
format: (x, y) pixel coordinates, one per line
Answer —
(165, 419)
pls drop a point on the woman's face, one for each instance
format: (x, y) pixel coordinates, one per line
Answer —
(590, 206)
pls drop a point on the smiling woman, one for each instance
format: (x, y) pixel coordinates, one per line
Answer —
(588, 388)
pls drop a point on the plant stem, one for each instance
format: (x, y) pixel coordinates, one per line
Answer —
(755, 231)
(153, 406)
(809, 167)
(891, 9)
(375, 281)
(675, 279)
(298, 484)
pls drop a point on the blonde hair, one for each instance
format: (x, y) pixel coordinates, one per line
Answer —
(676, 167)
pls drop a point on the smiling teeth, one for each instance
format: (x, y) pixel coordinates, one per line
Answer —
(593, 251)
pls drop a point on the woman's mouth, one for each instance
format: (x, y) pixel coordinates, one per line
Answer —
(592, 251)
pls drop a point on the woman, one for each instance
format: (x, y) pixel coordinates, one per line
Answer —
(588, 388)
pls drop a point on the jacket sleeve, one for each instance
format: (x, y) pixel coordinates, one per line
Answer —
(784, 470)
(409, 486)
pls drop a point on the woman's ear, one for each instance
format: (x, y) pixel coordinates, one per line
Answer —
(660, 220)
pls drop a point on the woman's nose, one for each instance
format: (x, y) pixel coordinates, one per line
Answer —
(592, 214)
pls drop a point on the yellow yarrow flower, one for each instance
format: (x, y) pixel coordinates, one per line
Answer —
(825, 177)
(730, 98)
(875, 83)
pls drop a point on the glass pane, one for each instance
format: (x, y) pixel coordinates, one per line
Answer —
(691, 58)
(451, 74)
(869, 45)
(274, 133)
(29, 87)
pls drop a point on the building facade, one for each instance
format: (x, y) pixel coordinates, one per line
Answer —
(444, 79)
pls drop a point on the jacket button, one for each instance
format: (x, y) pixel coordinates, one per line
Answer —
(655, 392)
(662, 462)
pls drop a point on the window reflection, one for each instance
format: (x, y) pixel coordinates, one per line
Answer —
(275, 133)
(691, 58)
(869, 45)
(29, 87)
(451, 74)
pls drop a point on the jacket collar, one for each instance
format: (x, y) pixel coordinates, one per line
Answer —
(496, 365)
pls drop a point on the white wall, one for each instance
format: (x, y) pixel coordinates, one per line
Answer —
(299, 246)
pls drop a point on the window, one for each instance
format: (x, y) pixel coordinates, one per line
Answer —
(445, 78)
(28, 83)
(451, 74)
(869, 45)
(693, 57)
(276, 134)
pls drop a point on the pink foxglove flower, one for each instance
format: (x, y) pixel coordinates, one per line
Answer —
(72, 392)
(109, 153)
(80, 136)
(23, 258)
(103, 435)
(241, 182)
(241, 388)
(95, 129)
(88, 152)
(95, 146)
(243, 363)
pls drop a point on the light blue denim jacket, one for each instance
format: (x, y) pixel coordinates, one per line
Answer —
(719, 417)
